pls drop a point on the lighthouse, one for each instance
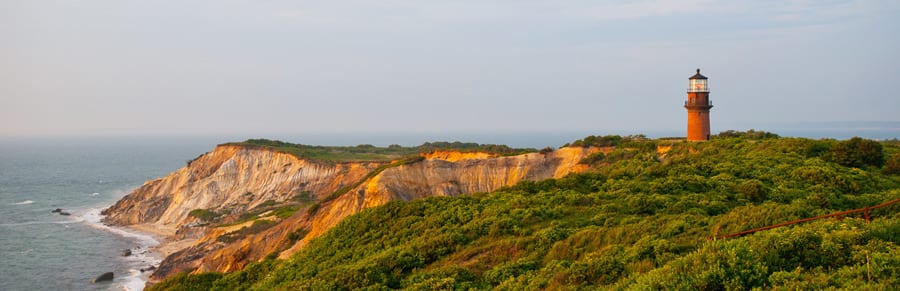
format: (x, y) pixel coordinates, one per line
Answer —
(697, 106)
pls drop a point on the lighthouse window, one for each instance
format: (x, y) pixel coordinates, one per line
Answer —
(697, 85)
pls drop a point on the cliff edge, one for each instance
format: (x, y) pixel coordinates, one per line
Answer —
(237, 204)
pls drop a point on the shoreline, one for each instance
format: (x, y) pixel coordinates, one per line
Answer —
(154, 244)
(164, 235)
(140, 257)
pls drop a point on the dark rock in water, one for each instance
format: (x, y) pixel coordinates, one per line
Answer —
(148, 269)
(58, 210)
(126, 252)
(108, 276)
(65, 213)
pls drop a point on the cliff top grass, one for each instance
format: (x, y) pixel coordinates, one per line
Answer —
(371, 153)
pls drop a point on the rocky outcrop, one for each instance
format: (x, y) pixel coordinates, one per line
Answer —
(236, 179)
(108, 276)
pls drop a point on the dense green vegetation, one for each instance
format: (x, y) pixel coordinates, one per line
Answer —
(893, 165)
(640, 221)
(606, 140)
(204, 214)
(856, 152)
(366, 152)
(750, 134)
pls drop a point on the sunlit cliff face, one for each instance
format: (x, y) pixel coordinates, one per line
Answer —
(236, 179)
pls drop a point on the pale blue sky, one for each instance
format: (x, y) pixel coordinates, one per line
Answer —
(251, 67)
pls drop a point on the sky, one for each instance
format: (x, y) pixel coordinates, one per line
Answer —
(273, 67)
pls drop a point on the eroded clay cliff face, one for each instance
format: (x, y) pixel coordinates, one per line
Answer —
(232, 179)
(440, 177)
(440, 174)
(236, 179)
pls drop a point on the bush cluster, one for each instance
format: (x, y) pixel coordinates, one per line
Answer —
(204, 214)
(856, 152)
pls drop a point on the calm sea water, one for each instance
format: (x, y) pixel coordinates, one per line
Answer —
(40, 250)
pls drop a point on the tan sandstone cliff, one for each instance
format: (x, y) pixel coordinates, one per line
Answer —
(233, 178)
(236, 179)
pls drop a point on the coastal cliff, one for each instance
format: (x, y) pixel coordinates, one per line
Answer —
(234, 179)
(249, 188)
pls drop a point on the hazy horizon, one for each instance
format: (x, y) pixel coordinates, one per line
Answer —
(431, 69)
(204, 142)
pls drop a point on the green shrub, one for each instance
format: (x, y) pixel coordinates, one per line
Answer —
(606, 140)
(298, 234)
(817, 148)
(749, 134)
(183, 281)
(856, 152)
(285, 211)
(304, 197)
(892, 167)
(313, 209)
(204, 214)
(593, 159)
(267, 203)
(753, 190)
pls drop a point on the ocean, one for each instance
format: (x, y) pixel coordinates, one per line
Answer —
(41, 250)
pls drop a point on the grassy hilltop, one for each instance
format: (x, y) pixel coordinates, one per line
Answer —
(371, 153)
(643, 219)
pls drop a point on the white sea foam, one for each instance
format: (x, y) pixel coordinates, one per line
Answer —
(95, 194)
(93, 218)
(23, 202)
(141, 256)
(134, 281)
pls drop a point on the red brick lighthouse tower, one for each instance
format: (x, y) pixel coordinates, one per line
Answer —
(698, 106)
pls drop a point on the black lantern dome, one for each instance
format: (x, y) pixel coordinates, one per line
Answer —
(698, 83)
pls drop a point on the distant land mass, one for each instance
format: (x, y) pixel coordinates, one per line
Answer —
(832, 129)
(610, 212)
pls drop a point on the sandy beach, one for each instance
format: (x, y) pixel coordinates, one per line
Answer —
(164, 235)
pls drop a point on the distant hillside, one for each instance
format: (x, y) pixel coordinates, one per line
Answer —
(642, 219)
